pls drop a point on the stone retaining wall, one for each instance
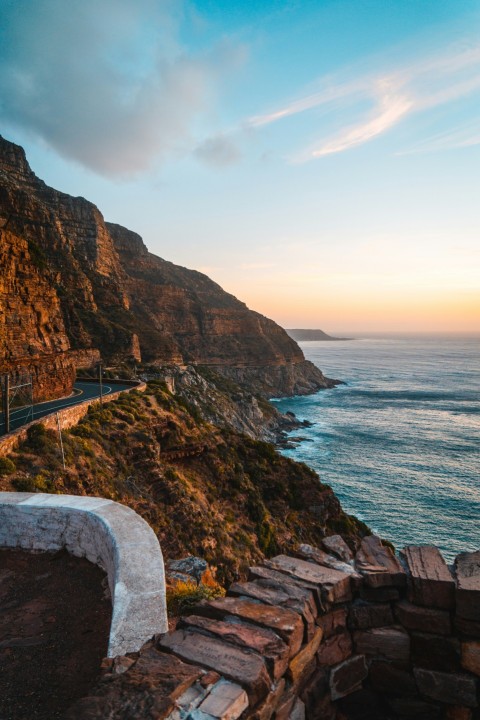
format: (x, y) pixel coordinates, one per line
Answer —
(322, 636)
(69, 417)
(108, 534)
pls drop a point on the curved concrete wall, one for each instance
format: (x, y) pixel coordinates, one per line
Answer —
(109, 535)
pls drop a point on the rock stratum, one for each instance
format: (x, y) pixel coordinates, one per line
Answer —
(73, 287)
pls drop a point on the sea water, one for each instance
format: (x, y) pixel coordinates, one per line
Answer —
(400, 442)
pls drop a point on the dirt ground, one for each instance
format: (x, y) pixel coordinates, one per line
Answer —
(54, 626)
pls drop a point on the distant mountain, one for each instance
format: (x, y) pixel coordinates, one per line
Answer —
(300, 335)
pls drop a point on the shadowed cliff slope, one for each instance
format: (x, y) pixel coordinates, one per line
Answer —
(72, 282)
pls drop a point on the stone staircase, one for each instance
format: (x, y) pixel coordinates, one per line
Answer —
(322, 636)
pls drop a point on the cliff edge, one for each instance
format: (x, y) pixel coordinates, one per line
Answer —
(73, 284)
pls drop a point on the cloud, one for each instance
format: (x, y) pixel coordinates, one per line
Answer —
(218, 151)
(416, 87)
(107, 83)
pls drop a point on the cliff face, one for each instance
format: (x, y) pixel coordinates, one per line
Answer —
(71, 282)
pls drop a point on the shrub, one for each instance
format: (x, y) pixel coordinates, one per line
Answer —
(185, 594)
(40, 439)
(7, 466)
(39, 483)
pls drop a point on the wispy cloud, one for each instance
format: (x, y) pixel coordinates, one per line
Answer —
(415, 87)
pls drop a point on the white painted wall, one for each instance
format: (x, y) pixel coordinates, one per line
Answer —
(108, 534)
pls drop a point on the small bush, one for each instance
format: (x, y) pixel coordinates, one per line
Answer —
(39, 483)
(185, 594)
(40, 439)
(7, 466)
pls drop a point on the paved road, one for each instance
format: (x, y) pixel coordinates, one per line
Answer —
(83, 391)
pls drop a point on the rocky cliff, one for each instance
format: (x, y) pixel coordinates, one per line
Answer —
(72, 282)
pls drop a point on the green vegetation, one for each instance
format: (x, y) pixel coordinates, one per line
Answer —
(205, 491)
(7, 466)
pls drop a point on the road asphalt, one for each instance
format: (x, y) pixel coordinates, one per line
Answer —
(83, 391)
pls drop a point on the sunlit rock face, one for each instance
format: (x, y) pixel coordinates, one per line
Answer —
(71, 281)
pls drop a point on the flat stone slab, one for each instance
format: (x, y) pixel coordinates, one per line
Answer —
(348, 676)
(286, 623)
(314, 554)
(108, 534)
(427, 620)
(452, 689)
(244, 667)
(435, 652)
(467, 570)
(333, 622)
(363, 615)
(430, 581)
(334, 585)
(265, 642)
(335, 649)
(471, 656)
(226, 701)
(292, 599)
(302, 660)
(378, 564)
(259, 572)
(389, 642)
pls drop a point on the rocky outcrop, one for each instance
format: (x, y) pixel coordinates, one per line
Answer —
(71, 281)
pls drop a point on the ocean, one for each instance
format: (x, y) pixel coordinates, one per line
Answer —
(400, 442)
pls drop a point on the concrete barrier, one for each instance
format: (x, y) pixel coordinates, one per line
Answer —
(108, 534)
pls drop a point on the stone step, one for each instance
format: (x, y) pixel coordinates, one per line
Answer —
(259, 572)
(286, 623)
(430, 582)
(280, 597)
(260, 640)
(234, 663)
(334, 585)
(300, 664)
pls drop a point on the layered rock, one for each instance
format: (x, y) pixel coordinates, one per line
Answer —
(72, 281)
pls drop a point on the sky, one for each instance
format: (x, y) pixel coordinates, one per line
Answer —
(319, 160)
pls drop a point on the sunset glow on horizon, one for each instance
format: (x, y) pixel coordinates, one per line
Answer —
(319, 160)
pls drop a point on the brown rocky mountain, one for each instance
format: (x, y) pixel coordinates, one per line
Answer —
(73, 286)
